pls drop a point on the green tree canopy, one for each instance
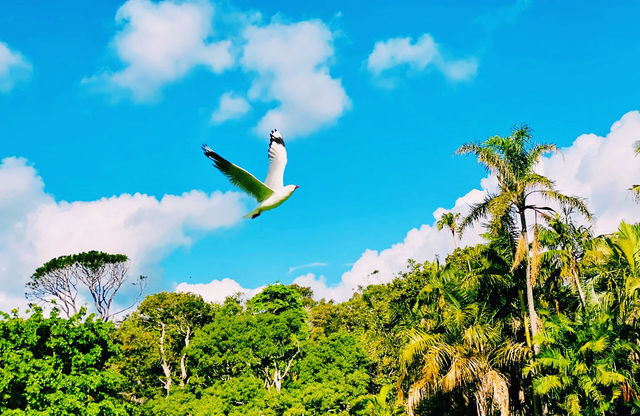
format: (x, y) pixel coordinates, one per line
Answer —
(59, 366)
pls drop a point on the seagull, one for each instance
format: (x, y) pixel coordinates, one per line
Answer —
(271, 193)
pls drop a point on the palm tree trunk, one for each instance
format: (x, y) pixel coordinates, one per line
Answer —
(533, 316)
(455, 243)
(576, 279)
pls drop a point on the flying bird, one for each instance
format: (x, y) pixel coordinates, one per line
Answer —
(271, 193)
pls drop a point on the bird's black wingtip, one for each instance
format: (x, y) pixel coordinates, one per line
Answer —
(275, 136)
(207, 150)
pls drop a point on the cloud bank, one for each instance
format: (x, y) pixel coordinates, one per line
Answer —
(34, 227)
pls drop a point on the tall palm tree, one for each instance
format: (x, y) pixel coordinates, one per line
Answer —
(449, 220)
(512, 160)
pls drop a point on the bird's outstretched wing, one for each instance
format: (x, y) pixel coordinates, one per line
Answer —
(277, 161)
(238, 176)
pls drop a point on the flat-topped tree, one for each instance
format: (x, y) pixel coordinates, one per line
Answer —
(60, 279)
(512, 160)
(55, 282)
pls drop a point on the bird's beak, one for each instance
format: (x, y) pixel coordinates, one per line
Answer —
(297, 186)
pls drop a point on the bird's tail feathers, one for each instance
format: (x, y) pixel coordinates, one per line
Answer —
(256, 212)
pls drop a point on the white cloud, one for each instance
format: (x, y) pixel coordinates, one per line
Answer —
(230, 107)
(322, 290)
(159, 43)
(600, 169)
(287, 63)
(377, 267)
(418, 55)
(218, 290)
(34, 227)
(14, 68)
(291, 67)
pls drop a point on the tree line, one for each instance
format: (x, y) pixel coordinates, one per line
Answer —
(543, 318)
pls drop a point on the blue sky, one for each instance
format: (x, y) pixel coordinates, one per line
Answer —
(372, 163)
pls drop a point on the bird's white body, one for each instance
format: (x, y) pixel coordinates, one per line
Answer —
(275, 200)
(270, 194)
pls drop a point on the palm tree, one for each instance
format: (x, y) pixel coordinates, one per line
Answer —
(635, 189)
(513, 159)
(617, 259)
(455, 350)
(584, 367)
(449, 220)
(566, 242)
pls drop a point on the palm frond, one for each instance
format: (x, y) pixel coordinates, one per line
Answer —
(568, 201)
(477, 212)
(489, 158)
(512, 353)
(419, 342)
(540, 150)
(492, 392)
(535, 255)
(521, 252)
(536, 181)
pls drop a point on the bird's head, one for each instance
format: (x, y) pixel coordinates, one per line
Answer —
(291, 188)
(275, 134)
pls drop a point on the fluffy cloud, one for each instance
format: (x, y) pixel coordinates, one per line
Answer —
(158, 43)
(291, 66)
(377, 267)
(14, 68)
(322, 290)
(600, 169)
(218, 290)
(287, 63)
(418, 55)
(230, 107)
(34, 227)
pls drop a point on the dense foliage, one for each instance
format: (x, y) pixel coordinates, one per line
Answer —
(541, 319)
